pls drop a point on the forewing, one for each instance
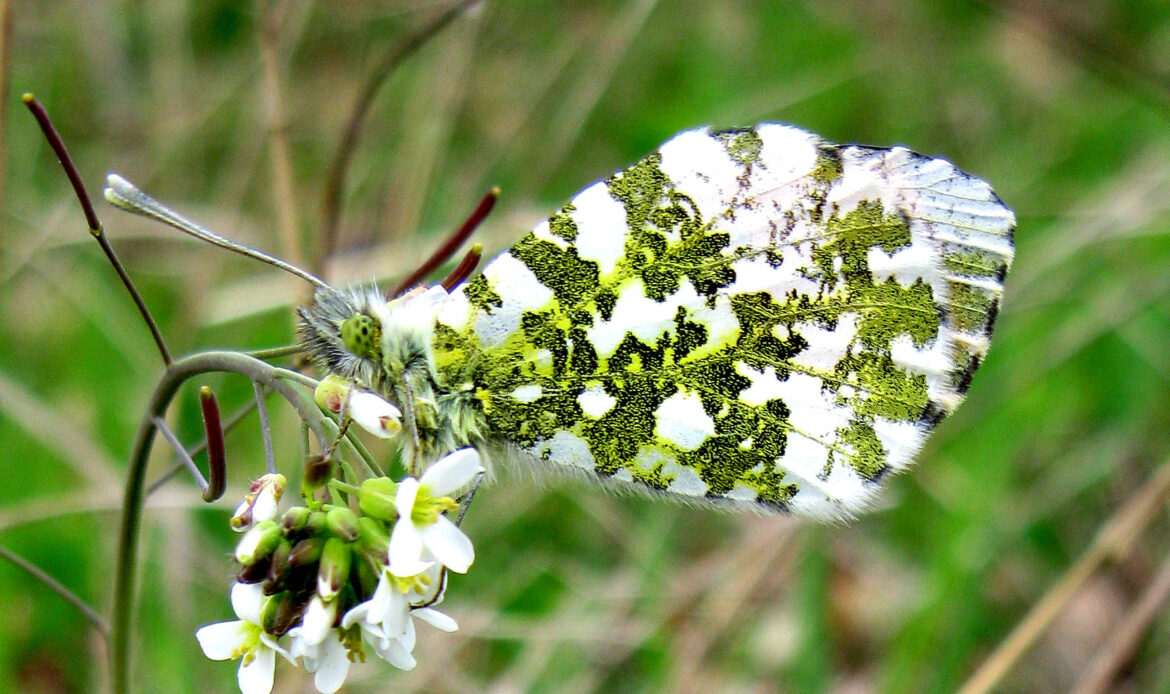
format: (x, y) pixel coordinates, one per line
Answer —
(750, 316)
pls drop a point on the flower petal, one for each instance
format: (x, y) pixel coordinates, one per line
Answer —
(220, 640)
(452, 472)
(318, 620)
(448, 543)
(380, 600)
(265, 506)
(405, 495)
(375, 415)
(357, 613)
(407, 638)
(297, 646)
(394, 653)
(240, 521)
(396, 614)
(406, 548)
(256, 676)
(270, 641)
(436, 619)
(246, 601)
(246, 547)
(333, 667)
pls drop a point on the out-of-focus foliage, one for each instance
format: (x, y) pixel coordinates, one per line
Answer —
(1064, 109)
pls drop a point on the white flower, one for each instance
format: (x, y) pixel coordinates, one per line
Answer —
(328, 660)
(377, 416)
(388, 608)
(421, 524)
(393, 648)
(385, 618)
(245, 639)
(260, 502)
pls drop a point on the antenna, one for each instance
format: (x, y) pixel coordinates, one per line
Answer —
(124, 195)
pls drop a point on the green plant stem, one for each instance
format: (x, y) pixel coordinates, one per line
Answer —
(276, 352)
(362, 452)
(98, 621)
(176, 468)
(344, 487)
(127, 568)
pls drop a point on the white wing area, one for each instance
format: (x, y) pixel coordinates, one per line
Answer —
(785, 202)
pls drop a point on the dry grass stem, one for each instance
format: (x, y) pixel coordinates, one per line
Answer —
(6, 19)
(1113, 542)
(276, 120)
(1098, 677)
(351, 135)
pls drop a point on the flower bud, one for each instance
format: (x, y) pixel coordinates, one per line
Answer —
(342, 523)
(375, 415)
(258, 543)
(334, 570)
(366, 576)
(316, 524)
(269, 607)
(280, 613)
(260, 502)
(376, 498)
(277, 567)
(330, 393)
(255, 573)
(318, 471)
(306, 552)
(372, 536)
(295, 519)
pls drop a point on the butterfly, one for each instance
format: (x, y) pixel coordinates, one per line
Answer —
(750, 318)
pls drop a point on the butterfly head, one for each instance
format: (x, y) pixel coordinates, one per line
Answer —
(342, 332)
(358, 335)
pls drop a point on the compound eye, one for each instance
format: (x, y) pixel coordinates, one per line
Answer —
(362, 336)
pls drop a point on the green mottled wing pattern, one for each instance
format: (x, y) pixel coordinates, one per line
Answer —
(753, 317)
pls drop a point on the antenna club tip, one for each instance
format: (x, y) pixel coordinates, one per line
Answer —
(477, 248)
(494, 192)
(27, 97)
(118, 189)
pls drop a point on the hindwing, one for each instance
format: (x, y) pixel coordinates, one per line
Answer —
(751, 316)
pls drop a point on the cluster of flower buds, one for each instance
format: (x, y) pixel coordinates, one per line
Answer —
(330, 581)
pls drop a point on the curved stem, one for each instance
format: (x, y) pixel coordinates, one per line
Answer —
(277, 352)
(174, 377)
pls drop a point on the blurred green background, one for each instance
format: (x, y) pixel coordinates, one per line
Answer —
(1062, 106)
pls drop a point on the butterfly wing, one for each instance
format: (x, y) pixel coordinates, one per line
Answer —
(751, 316)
